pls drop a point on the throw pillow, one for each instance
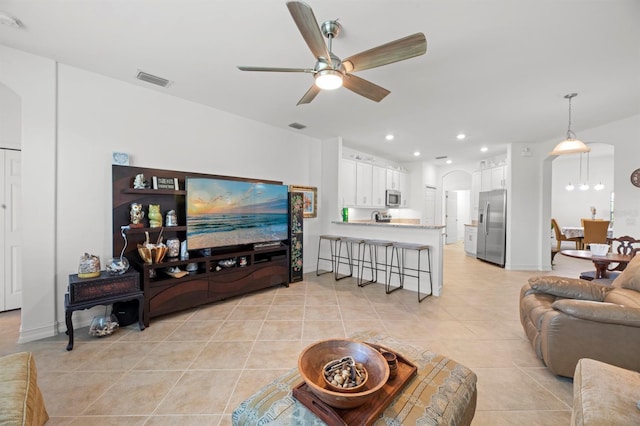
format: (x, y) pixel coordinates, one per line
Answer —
(630, 277)
(570, 288)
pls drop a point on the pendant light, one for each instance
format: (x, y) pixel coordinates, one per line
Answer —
(571, 145)
(584, 185)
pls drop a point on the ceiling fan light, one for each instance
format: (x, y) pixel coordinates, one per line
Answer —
(328, 79)
(570, 146)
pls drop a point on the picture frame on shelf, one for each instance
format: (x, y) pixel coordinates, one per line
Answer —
(165, 183)
(310, 197)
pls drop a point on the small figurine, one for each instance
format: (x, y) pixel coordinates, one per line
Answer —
(139, 182)
(137, 214)
(155, 217)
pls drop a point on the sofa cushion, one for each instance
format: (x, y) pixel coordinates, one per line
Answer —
(630, 277)
(570, 288)
(624, 297)
(604, 394)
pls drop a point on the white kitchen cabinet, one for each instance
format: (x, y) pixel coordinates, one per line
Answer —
(499, 177)
(378, 186)
(348, 181)
(364, 177)
(393, 179)
(404, 187)
(493, 178)
(470, 239)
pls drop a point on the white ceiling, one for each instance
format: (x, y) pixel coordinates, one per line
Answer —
(496, 70)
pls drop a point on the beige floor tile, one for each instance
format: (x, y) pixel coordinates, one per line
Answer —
(249, 312)
(281, 330)
(286, 312)
(521, 418)
(156, 332)
(170, 356)
(195, 330)
(215, 311)
(511, 389)
(118, 356)
(110, 420)
(200, 392)
(135, 393)
(320, 330)
(238, 330)
(184, 420)
(249, 382)
(223, 356)
(320, 312)
(274, 354)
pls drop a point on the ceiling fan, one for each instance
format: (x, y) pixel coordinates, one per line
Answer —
(329, 71)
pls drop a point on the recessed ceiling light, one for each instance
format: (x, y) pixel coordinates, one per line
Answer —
(484, 149)
(416, 153)
(449, 161)
(389, 137)
(461, 136)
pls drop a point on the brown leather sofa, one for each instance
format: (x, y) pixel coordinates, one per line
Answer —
(567, 319)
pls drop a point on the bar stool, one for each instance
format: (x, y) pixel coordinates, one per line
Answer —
(374, 262)
(399, 249)
(351, 260)
(333, 240)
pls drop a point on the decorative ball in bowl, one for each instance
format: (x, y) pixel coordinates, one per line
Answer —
(314, 358)
(345, 375)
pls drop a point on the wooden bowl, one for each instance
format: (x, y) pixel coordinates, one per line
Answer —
(315, 356)
(152, 254)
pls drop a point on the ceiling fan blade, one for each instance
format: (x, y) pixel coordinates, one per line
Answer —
(272, 69)
(364, 88)
(394, 51)
(310, 95)
(308, 26)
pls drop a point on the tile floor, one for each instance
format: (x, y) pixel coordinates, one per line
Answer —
(195, 367)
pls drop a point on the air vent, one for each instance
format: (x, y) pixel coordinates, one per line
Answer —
(158, 81)
(297, 126)
(442, 157)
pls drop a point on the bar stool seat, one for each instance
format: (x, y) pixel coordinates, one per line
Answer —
(399, 249)
(351, 260)
(333, 240)
(374, 261)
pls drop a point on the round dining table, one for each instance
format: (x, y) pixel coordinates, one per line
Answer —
(601, 262)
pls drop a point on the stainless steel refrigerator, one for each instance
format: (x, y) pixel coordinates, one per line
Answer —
(492, 226)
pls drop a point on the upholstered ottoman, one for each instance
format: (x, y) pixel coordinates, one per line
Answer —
(442, 393)
(21, 402)
(604, 394)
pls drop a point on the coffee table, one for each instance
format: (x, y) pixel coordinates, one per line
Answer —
(601, 262)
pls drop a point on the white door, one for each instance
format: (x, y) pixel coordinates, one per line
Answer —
(451, 220)
(10, 231)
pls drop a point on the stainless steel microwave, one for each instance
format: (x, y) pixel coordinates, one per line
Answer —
(393, 198)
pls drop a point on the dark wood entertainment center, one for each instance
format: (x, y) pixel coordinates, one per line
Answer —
(163, 294)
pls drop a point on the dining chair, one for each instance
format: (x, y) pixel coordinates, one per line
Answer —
(625, 246)
(595, 232)
(560, 237)
(583, 219)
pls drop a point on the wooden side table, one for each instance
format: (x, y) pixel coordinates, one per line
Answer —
(85, 293)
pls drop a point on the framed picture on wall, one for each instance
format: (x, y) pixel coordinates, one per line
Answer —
(310, 199)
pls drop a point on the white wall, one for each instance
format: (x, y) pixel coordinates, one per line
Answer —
(33, 79)
(67, 187)
(10, 118)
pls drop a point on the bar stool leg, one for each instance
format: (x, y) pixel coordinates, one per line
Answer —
(339, 261)
(399, 267)
(430, 276)
(332, 242)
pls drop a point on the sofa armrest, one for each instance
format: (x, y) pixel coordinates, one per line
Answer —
(609, 313)
(570, 288)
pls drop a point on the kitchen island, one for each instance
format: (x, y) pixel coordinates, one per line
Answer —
(432, 235)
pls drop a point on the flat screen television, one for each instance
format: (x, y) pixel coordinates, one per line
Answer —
(223, 212)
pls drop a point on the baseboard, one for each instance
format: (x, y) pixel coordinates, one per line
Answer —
(38, 333)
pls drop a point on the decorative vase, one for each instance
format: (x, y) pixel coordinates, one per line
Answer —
(89, 266)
